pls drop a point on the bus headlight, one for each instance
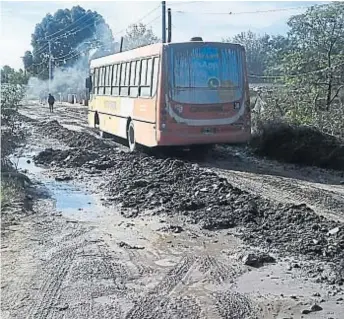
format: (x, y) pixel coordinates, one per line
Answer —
(179, 108)
(236, 105)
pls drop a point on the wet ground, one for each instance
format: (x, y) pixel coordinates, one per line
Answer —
(84, 254)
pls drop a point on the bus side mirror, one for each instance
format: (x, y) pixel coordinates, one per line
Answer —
(89, 83)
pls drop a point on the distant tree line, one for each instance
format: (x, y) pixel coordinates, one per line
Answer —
(310, 56)
(11, 76)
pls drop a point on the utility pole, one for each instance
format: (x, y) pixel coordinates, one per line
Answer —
(163, 7)
(121, 45)
(50, 59)
(169, 25)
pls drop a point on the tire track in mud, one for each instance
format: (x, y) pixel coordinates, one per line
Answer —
(160, 302)
(58, 261)
(234, 305)
(118, 273)
(48, 295)
(217, 271)
(147, 306)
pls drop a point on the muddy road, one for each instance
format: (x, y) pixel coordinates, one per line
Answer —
(116, 235)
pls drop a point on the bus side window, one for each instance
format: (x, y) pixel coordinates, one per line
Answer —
(108, 79)
(134, 78)
(101, 81)
(115, 80)
(95, 82)
(105, 69)
(145, 81)
(124, 85)
(155, 75)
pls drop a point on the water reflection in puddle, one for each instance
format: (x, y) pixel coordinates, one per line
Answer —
(69, 200)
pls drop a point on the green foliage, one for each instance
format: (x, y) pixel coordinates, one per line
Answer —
(11, 95)
(72, 33)
(11, 76)
(138, 35)
(315, 60)
(308, 65)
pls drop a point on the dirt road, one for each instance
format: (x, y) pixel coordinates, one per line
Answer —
(88, 251)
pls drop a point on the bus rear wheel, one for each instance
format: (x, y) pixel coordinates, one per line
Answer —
(131, 137)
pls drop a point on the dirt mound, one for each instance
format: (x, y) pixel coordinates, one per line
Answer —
(299, 145)
(64, 158)
(74, 157)
(175, 187)
(72, 138)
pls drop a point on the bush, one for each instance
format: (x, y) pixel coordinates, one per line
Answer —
(288, 129)
(11, 135)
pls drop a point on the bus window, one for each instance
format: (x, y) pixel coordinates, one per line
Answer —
(124, 85)
(105, 69)
(101, 81)
(115, 80)
(95, 82)
(108, 79)
(138, 70)
(146, 77)
(155, 75)
(143, 76)
(134, 79)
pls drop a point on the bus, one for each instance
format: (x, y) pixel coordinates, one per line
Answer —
(189, 94)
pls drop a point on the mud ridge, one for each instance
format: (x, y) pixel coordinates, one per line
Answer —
(299, 145)
(72, 138)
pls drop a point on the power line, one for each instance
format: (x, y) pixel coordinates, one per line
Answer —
(138, 21)
(68, 26)
(250, 12)
(173, 4)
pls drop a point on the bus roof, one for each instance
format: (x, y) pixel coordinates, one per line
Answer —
(149, 50)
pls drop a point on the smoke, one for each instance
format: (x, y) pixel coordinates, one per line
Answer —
(70, 80)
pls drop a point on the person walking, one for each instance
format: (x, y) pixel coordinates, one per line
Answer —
(51, 101)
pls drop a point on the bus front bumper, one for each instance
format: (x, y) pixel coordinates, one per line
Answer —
(167, 138)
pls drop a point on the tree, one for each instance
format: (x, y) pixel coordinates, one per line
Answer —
(315, 60)
(71, 34)
(11, 76)
(138, 35)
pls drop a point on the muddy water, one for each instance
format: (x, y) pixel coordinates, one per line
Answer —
(69, 199)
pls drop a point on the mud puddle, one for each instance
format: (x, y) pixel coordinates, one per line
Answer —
(71, 201)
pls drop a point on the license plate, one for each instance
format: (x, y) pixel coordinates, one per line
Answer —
(208, 131)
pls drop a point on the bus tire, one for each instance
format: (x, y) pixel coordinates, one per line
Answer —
(96, 120)
(131, 137)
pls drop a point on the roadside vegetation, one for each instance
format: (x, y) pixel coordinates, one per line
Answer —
(297, 86)
(13, 183)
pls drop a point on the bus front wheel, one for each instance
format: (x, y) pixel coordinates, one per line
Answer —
(131, 137)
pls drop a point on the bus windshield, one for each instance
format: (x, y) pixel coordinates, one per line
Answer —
(206, 74)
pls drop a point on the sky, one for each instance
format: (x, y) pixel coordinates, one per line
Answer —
(208, 19)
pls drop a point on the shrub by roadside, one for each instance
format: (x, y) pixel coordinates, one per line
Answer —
(299, 144)
(287, 128)
(13, 183)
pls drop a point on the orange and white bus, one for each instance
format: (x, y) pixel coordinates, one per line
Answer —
(172, 94)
